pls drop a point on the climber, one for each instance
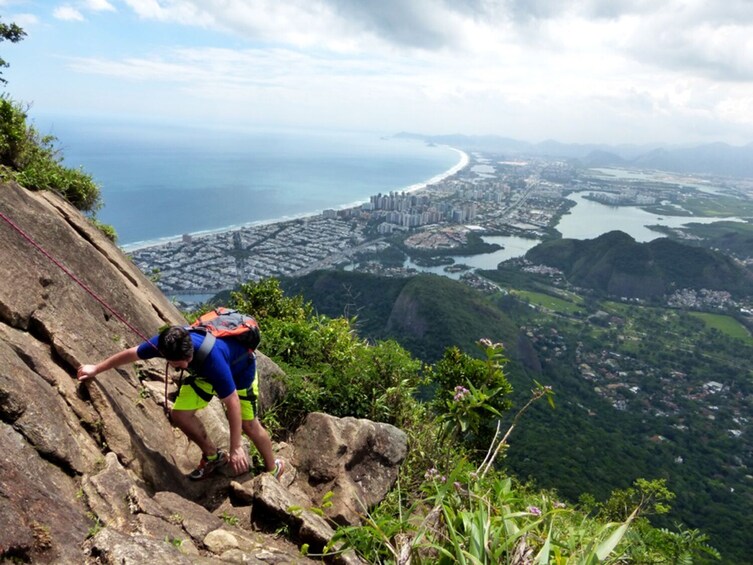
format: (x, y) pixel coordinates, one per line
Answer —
(229, 372)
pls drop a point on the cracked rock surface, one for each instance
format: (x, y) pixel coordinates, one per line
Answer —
(94, 472)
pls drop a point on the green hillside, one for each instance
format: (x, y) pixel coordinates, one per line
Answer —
(451, 433)
(734, 238)
(615, 264)
(632, 384)
(425, 313)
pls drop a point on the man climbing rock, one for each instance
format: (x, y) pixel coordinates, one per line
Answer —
(227, 371)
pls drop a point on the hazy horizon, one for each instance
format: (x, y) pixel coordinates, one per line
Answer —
(633, 72)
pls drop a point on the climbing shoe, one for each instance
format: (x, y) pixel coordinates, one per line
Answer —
(208, 466)
(279, 469)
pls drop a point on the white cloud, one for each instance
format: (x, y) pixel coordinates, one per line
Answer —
(580, 71)
(178, 11)
(24, 20)
(99, 6)
(68, 13)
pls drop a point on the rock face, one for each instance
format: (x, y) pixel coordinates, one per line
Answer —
(94, 471)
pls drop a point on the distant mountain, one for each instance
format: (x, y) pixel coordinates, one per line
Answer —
(615, 264)
(599, 158)
(713, 158)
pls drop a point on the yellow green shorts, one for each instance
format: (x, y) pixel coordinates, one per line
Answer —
(190, 399)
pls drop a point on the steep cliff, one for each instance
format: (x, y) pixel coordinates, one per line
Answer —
(95, 472)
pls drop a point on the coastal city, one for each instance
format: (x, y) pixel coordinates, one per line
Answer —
(485, 195)
(513, 200)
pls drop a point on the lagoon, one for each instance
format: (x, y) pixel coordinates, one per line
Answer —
(512, 247)
(586, 220)
(589, 219)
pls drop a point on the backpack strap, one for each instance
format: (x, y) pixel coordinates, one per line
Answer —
(206, 346)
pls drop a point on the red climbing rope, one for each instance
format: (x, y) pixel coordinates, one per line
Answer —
(67, 271)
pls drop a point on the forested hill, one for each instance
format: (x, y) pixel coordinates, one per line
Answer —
(641, 391)
(425, 313)
(615, 264)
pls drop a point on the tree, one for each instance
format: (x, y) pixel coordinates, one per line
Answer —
(12, 33)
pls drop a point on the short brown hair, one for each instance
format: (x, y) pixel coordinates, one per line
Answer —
(175, 344)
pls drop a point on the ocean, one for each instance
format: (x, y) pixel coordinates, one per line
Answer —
(160, 181)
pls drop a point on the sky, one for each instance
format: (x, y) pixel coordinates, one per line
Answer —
(577, 71)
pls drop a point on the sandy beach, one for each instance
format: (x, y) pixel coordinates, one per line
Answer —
(462, 164)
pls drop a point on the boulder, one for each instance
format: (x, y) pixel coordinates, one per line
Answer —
(357, 460)
(111, 546)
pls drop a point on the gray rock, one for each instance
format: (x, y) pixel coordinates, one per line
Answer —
(357, 460)
(113, 548)
(273, 502)
(220, 541)
(108, 494)
(195, 519)
(42, 515)
(161, 529)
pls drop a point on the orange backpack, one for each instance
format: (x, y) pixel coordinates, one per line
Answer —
(226, 324)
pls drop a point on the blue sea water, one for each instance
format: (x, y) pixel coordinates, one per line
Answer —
(160, 180)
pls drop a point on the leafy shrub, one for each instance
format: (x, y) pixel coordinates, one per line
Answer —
(267, 301)
(329, 367)
(469, 395)
(29, 158)
(466, 515)
(108, 231)
(466, 518)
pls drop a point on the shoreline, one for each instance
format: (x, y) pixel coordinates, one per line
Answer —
(138, 245)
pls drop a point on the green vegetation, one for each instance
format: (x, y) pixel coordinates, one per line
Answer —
(229, 519)
(615, 264)
(389, 257)
(456, 500)
(474, 245)
(725, 324)
(547, 301)
(106, 229)
(719, 206)
(642, 391)
(29, 158)
(426, 314)
(733, 238)
(14, 34)
(319, 354)
(434, 261)
(690, 203)
(96, 527)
